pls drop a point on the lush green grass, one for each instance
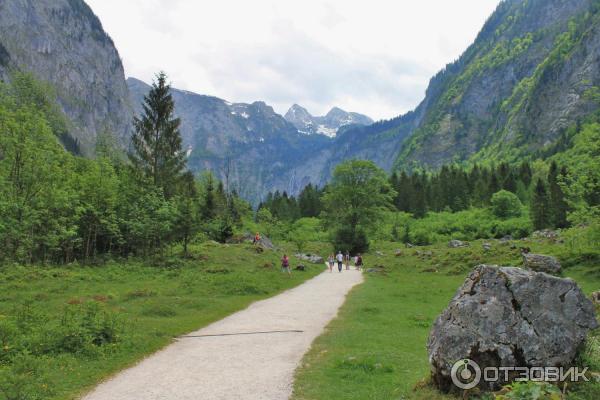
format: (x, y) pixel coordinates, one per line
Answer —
(375, 349)
(62, 329)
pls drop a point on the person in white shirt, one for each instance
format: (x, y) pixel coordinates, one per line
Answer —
(340, 260)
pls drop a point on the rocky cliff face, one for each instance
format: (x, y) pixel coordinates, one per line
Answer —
(515, 90)
(62, 42)
(328, 124)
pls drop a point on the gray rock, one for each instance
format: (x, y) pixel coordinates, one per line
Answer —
(506, 316)
(457, 243)
(312, 258)
(596, 297)
(379, 253)
(541, 263)
(300, 267)
(545, 234)
(398, 253)
(506, 239)
(486, 246)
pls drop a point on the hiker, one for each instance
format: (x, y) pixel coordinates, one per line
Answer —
(285, 265)
(340, 260)
(359, 262)
(256, 238)
(331, 262)
(347, 259)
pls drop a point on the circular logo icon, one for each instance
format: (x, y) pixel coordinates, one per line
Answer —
(465, 374)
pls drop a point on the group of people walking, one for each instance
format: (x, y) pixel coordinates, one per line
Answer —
(344, 259)
(341, 259)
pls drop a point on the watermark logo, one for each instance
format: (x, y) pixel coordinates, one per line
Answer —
(466, 374)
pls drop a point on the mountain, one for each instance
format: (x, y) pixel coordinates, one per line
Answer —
(326, 125)
(248, 146)
(62, 42)
(258, 151)
(532, 74)
(516, 90)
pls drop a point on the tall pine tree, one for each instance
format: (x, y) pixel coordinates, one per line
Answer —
(540, 206)
(558, 203)
(157, 151)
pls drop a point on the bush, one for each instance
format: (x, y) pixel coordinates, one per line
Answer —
(353, 240)
(421, 237)
(83, 328)
(529, 391)
(506, 205)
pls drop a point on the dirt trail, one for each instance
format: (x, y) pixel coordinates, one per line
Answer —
(249, 355)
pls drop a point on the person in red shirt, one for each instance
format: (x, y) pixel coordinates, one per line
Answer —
(285, 265)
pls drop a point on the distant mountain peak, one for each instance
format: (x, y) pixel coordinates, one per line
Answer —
(327, 125)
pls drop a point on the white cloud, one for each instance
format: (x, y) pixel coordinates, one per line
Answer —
(373, 57)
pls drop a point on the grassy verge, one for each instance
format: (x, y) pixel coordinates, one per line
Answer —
(375, 349)
(64, 329)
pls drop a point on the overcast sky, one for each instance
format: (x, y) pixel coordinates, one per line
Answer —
(374, 57)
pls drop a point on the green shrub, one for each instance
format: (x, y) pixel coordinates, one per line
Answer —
(83, 327)
(421, 237)
(506, 204)
(530, 391)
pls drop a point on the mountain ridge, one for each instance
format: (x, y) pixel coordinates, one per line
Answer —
(328, 124)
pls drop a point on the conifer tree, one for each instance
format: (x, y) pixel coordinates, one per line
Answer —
(558, 203)
(540, 206)
(209, 209)
(525, 173)
(157, 150)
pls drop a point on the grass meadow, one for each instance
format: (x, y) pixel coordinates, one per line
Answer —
(63, 329)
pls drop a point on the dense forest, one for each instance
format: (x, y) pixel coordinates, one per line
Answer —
(58, 208)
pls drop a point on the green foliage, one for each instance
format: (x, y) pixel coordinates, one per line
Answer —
(57, 208)
(506, 205)
(347, 239)
(355, 201)
(530, 391)
(306, 230)
(581, 183)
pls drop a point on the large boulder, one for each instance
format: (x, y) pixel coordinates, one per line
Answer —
(249, 238)
(541, 263)
(509, 317)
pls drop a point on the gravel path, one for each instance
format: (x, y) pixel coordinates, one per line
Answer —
(242, 364)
